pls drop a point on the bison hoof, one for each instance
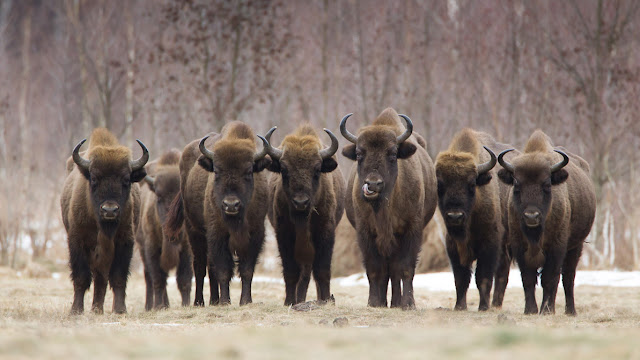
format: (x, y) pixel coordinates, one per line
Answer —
(198, 303)
(483, 307)
(530, 311)
(460, 307)
(76, 311)
(97, 310)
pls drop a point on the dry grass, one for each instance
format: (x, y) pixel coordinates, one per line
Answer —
(34, 323)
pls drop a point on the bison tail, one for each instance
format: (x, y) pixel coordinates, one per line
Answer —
(175, 218)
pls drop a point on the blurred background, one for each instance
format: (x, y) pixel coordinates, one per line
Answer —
(170, 71)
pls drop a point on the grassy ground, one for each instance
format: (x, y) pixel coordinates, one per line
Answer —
(34, 323)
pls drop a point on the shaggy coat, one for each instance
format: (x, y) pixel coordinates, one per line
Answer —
(306, 203)
(391, 198)
(551, 209)
(160, 253)
(100, 205)
(223, 202)
(470, 205)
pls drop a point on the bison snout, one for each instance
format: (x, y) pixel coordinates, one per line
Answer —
(109, 210)
(231, 205)
(454, 217)
(300, 202)
(532, 218)
(372, 187)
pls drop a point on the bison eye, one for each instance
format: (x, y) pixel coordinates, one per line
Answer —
(546, 186)
(440, 188)
(471, 188)
(516, 186)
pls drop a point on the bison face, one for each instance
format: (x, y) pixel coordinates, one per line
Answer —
(532, 178)
(110, 174)
(166, 185)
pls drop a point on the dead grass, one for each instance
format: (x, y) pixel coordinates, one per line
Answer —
(34, 323)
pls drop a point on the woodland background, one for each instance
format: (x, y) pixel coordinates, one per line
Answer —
(169, 71)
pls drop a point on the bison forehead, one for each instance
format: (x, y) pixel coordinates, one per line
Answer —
(533, 166)
(234, 152)
(456, 165)
(110, 159)
(379, 136)
(167, 180)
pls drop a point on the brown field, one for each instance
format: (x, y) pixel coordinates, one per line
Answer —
(34, 324)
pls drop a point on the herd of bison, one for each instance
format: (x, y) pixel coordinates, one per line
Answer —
(203, 210)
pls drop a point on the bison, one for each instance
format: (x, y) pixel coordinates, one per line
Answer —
(222, 202)
(470, 205)
(306, 202)
(391, 198)
(100, 207)
(159, 253)
(551, 209)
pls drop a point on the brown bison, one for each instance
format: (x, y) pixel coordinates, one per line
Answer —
(391, 198)
(470, 205)
(100, 208)
(223, 203)
(160, 253)
(306, 202)
(551, 210)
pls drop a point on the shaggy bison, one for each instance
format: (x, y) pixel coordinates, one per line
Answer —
(470, 205)
(551, 209)
(161, 253)
(391, 198)
(223, 202)
(306, 203)
(100, 208)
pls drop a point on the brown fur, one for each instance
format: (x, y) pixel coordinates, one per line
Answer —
(94, 253)
(567, 215)
(305, 240)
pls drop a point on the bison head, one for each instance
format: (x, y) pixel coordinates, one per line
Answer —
(377, 151)
(166, 185)
(110, 174)
(233, 161)
(458, 177)
(532, 178)
(300, 163)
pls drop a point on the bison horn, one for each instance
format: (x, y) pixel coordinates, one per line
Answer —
(400, 139)
(486, 167)
(504, 163)
(151, 181)
(267, 148)
(562, 163)
(328, 152)
(79, 160)
(140, 162)
(343, 129)
(203, 149)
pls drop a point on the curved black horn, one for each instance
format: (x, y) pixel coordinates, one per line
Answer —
(140, 162)
(328, 152)
(486, 167)
(79, 160)
(150, 180)
(267, 148)
(562, 163)
(504, 163)
(203, 149)
(407, 132)
(343, 129)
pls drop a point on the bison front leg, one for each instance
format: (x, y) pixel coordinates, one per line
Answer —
(377, 276)
(247, 265)
(119, 273)
(290, 268)
(461, 275)
(81, 277)
(568, 278)
(158, 277)
(395, 274)
(501, 277)
(485, 270)
(550, 279)
(218, 248)
(529, 280)
(148, 302)
(199, 247)
(99, 292)
(184, 274)
(303, 283)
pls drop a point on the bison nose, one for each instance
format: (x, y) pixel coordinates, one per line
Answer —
(231, 205)
(374, 185)
(300, 202)
(532, 218)
(109, 210)
(455, 217)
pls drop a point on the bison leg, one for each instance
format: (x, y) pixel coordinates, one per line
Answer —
(158, 277)
(485, 270)
(529, 280)
(199, 248)
(99, 292)
(184, 274)
(220, 255)
(461, 275)
(395, 274)
(377, 276)
(120, 273)
(247, 265)
(148, 302)
(81, 277)
(550, 280)
(214, 294)
(290, 268)
(502, 277)
(323, 246)
(303, 283)
(568, 277)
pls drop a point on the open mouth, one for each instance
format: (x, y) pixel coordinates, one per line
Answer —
(368, 193)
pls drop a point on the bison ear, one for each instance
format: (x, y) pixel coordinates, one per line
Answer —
(559, 177)
(261, 164)
(405, 150)
(505, 176)
(349, 152)
(328, 165)
(274, 166)
(205, 163)
(483, 179)
(138, 175)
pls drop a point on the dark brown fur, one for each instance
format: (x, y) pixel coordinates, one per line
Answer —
(306, 237)
(390, 228)
(566, 201)
(160, 253)
(214, 236)
(98, 250)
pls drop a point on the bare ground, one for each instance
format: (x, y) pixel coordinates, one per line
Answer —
(34, 324)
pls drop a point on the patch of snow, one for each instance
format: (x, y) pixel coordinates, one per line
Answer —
(56, 275)
(256, 279)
